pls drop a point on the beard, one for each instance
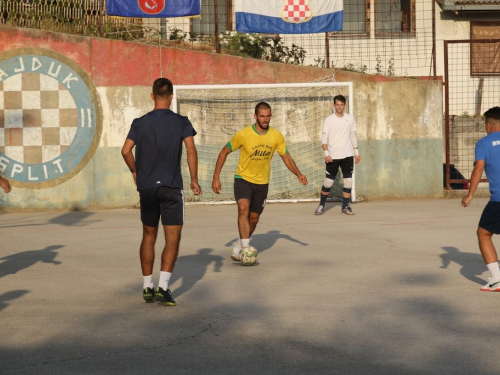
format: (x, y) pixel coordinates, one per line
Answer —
(262, 125)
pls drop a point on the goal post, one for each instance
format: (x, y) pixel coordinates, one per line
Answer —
(217, 112)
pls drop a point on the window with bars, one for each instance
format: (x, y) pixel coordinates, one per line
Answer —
(485, 57)
(394, 17)
(206, 24)
(356, 18)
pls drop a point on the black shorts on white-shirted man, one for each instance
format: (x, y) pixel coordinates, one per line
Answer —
(163, 202)
(346, 166)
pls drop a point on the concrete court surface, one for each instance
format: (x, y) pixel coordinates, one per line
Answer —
(391, 290)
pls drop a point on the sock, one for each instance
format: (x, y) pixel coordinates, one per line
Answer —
(147, 282)
(494, 270)
(245, 242)
(164, 279)
(345, 202)
(322, 201)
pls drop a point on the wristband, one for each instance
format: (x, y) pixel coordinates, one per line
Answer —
(326, 153)
(356, 152)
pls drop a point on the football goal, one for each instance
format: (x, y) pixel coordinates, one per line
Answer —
(217, 112)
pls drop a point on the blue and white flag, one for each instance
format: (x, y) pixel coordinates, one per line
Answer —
(153, 8)
(289, 16)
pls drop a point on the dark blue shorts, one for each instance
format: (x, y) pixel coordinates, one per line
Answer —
(163, 202)
(490, 219)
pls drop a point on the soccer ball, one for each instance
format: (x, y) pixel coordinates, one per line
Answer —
(248, 255)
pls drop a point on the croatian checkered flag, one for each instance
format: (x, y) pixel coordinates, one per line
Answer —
(289, 16)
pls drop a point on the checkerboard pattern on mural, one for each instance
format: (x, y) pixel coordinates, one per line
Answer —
(38, 118)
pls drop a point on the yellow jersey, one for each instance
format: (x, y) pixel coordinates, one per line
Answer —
(256, 152)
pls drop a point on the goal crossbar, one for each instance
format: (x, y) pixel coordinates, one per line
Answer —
(265, 86)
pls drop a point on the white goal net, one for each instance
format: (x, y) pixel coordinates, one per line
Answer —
(217, 112)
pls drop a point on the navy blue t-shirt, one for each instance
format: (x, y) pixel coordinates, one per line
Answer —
(158, 136)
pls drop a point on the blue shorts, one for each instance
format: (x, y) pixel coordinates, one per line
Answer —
(163, 202)
(490, 219)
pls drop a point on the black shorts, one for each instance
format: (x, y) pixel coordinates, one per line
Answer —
(490, 219)
(255, 193)
(346, 165)
(163, 202)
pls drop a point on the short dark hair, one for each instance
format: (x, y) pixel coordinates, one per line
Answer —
(261, 105)
(492, 113)
(340, 98)
(163, 88)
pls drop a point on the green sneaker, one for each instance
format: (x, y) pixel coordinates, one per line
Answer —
(164, 296)
(148, 295)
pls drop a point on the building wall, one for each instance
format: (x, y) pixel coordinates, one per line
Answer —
(401, 145)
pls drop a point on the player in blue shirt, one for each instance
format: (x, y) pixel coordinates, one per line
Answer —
(488, 160)
(156, 168)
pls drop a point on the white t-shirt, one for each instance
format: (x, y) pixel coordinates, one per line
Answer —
(337, 135)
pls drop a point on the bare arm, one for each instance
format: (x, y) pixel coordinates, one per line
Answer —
(192, 160)
(290, 164)
(475, 177)
(5, 185)
(216, 185)
(129, 157)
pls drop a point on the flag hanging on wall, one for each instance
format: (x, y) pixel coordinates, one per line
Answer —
(153, 8)
(289, 16)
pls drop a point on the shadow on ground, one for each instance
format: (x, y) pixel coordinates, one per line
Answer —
(265, 241)
(472, 264)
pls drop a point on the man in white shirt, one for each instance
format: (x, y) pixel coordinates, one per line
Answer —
(339, 144)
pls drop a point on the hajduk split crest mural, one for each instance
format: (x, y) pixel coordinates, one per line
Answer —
(50, 118)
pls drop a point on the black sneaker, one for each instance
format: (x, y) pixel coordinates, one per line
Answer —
(164, 296)
(148, 294)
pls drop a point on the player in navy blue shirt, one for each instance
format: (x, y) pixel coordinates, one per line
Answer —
(488, 160)
(156, 168)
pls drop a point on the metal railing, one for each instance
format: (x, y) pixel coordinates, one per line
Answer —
(85, 17)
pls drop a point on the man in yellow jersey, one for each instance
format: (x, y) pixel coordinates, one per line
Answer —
(257, 144)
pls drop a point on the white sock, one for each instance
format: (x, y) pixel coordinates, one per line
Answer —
(245, 242)
(494, 270)
(164, 279)
(147, 282)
